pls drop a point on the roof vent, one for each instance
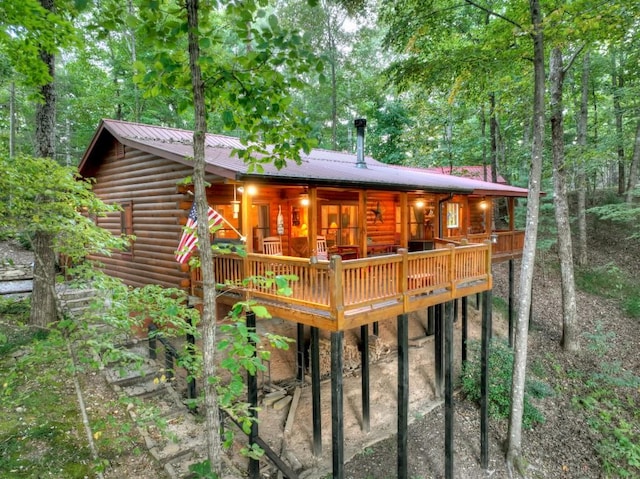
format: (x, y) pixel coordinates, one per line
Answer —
(360, 124)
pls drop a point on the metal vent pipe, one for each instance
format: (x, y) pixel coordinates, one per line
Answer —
(360, 124)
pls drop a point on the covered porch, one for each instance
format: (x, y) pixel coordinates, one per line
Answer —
(339, 294)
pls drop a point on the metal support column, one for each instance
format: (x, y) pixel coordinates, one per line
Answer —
(252, 398)
(364, 370)
(315, 392)
(438, 350)
(465, 327)
(449, 310)
(484, 379)
(430, 321)
(300, 366)
(511, 310)
(403, 394)
(337, 405)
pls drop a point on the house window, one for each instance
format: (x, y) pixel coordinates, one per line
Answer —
(339, 224)
(126, 223)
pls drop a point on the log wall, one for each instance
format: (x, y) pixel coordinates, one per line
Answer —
(158, 213)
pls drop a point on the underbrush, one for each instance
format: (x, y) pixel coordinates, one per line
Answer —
(610, 281)
(500, 370)
(610, 397)
(41, 428)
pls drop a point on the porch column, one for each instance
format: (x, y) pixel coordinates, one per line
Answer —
(484, 379)
(403, 394)
(245, 218)
(362, 222)
(312, 227)
(404, 220)
(337, 424)
(430, 321)
(315, 392)
(364, 370)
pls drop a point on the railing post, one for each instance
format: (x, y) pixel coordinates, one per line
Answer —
(452, 268)
(488, 264)
(336, 290)
(404, 278)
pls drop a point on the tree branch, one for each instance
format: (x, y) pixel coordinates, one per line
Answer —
(573, 58)
(495, 14)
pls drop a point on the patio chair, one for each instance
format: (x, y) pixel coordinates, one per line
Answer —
(272, 245)
(321, 248)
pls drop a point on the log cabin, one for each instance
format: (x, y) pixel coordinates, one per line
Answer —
(403, 238)
(397, 239)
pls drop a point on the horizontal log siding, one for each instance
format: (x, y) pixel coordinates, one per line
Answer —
(150, 183)
(381, 232)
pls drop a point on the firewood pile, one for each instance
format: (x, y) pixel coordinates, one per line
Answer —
(351, 353)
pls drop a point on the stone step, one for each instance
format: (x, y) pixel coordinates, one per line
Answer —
(178, 437)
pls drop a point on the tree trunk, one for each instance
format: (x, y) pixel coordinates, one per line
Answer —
(617, 82)
(581, 180)
(633, 170)
(570, 334)
(493, 131)
(43, 307)
(214, 446)
(514, 446)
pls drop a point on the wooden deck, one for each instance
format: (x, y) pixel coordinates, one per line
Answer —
(339, 295)
(508, 244)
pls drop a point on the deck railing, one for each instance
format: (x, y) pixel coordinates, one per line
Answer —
(507, 243)
(341, 290)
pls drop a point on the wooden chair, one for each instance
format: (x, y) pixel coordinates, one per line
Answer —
(272, 245)
(321, 248)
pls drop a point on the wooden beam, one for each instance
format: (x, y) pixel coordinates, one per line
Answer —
(465, 327)
(438, 350)
(300, 366)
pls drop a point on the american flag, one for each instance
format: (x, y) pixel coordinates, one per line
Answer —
(189, 238)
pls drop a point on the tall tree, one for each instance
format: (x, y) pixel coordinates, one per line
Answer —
(581, 181)
(242, 67)
(514, 444)
(570, 330)
(33, 33)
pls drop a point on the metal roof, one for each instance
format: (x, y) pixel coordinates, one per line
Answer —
(475, 172)
(319, 167)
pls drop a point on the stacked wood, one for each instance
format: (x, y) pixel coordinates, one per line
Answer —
(351, 354)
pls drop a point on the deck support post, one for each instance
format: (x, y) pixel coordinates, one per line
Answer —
(430, 321)
(376, 329)
(438, 350)
(364, 370)
(511, 302)
(455, 310)
(484, 379)
(337, 419)
(252, 397)
(465, 326)
(449, 317)
(403, 394)
(300, 353)
(315, 392)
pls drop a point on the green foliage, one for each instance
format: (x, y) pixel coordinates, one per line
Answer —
(623, 213)
(40, 195)
(609, 398)
(598, 341)
(500, 370)
(250, 66)
(610, 281)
